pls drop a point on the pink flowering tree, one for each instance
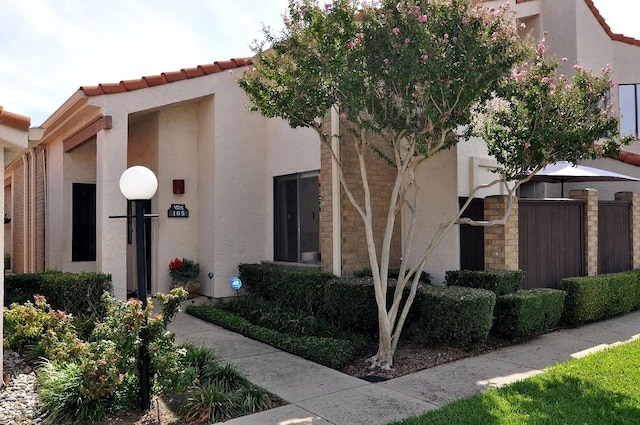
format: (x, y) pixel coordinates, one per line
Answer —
(408, 78)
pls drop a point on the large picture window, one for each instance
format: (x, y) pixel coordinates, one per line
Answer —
(297, 209)
(629, 109)
(83, 247)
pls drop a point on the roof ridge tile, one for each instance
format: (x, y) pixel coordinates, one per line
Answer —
(165, 77)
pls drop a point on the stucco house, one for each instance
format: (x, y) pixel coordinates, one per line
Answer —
(254, 188)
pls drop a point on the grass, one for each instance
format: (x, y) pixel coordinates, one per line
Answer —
(603, 388)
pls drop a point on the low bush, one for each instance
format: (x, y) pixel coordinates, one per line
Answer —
(78, 294)
(393, 274)
(296, 289)
(84, 380)
(528, 313)
(216, 392)
(457, 316)
(501, 282)
(350, 303)
(331, 352)
(592, 298)
(286, 320)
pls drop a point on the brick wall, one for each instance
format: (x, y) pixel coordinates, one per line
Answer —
(353, 245)
(18, 219)
(326, 209)
(590, 196)
(501, 241)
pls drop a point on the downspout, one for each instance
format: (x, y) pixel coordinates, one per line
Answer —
(32, 212)
(335, 191)
(25, 212)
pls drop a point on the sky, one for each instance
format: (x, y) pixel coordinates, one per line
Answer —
(49, 48)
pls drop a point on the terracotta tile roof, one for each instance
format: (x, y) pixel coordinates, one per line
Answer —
(607, 28)
(165, 77)
(11, 119)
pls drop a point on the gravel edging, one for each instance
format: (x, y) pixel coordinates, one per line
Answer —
(19, 404)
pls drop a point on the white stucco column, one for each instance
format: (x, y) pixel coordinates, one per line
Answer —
(111, 162)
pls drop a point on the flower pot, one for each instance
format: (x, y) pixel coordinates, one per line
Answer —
(192, 287)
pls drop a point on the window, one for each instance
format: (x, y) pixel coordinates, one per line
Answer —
(297, 209)
(629, 109)
(83, 246)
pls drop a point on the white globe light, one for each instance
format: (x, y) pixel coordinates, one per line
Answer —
(138, 183)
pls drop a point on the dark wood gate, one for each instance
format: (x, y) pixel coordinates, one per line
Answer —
(551, 241)
(614, 237)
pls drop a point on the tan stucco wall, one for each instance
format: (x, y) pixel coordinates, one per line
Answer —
(438, 180)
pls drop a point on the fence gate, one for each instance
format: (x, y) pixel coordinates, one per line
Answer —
(551, 241)
(614, 237)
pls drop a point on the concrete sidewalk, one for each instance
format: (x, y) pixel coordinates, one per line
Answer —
(319, 395)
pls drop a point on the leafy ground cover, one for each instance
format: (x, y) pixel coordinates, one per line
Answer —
(598, 389)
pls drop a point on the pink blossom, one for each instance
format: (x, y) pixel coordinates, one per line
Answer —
(465, 19)
(395, 31)
(386, 61)
(542, 48)
(527, 145)
(545, 80)
(522, 25)
(422, 18)
(327, 6)
(577, 66)
(494, 36)
(564, 60)
(568, 87)
(446, 36)
(612, 83)
(407, 40)
(507, 5)
(424, 56)
(121, 375)
(449, 4)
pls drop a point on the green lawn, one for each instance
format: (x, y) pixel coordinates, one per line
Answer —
(603, 388)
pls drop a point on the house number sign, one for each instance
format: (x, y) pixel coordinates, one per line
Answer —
(178, 210)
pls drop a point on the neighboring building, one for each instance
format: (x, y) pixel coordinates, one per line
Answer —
(14, 137)
(255, 188)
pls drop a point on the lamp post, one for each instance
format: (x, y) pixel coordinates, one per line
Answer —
(139, 184)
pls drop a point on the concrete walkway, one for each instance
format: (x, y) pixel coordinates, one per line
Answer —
(319, 395)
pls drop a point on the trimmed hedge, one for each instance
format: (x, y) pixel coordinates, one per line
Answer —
(501, 282)
(350, 304)
(301, 290)
(330, 352)
(592, 298)
(528, 313)
(393, 274)
(456, 315)
(79, 294)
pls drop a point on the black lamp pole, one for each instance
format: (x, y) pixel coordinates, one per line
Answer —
(141, 250)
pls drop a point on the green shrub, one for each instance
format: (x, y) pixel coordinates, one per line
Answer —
(78, 294)
(392, 273)
(294, 288)
(528, 313)
(592, 298)
(456, 315)
(350, 303)
(501, 282)
(286, 320)
(330, 352)
(21, 288)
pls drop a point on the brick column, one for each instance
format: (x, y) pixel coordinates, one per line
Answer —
(634, 225)
(590, 196)
(501, 241)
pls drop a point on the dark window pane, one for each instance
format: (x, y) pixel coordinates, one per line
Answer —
(83, 247)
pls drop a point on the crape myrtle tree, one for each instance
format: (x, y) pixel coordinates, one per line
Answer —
(409, 79)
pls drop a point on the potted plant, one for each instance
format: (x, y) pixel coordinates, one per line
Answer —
(184, 273)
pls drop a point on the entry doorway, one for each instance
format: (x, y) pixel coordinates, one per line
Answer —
(296, 215)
